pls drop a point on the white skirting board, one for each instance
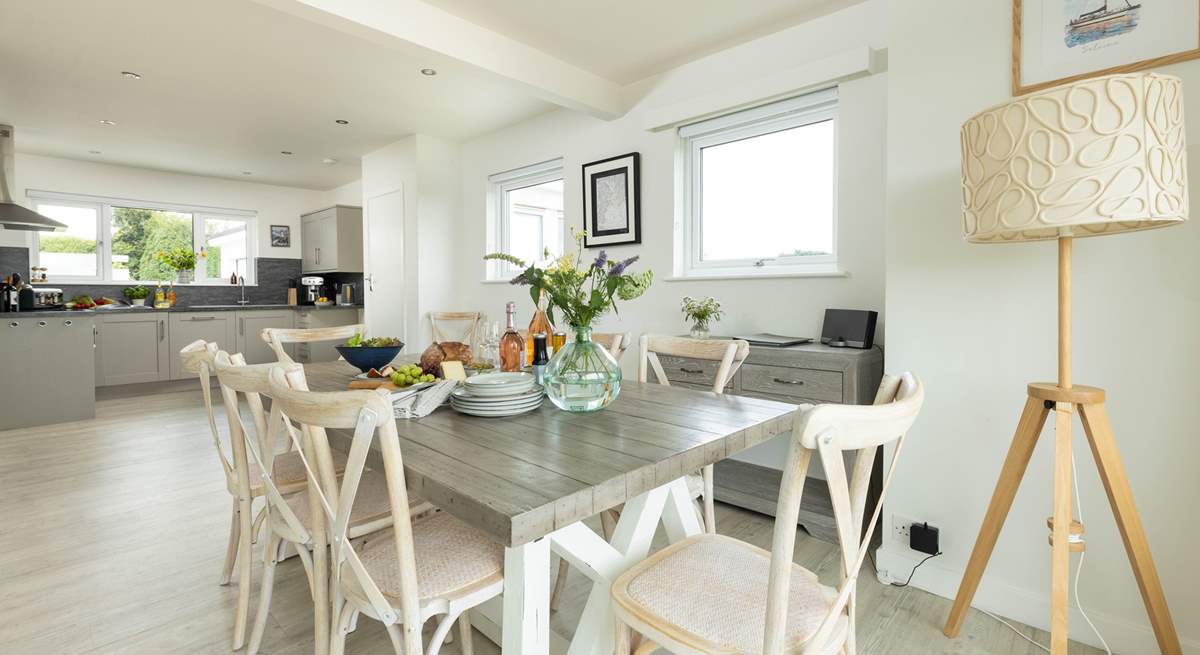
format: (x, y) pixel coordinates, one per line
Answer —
(1125, 634)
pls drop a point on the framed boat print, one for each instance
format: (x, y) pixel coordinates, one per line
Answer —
(612, 199)
(1060, 41)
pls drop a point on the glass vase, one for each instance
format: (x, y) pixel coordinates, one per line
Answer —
(699, 330)
(583, 376)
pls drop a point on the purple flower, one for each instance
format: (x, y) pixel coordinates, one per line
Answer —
(620, 267)
(601, 260)
(520, 279)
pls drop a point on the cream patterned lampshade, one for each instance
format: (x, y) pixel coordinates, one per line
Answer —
(1098, 156)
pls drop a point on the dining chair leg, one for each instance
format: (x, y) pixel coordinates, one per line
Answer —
(260, 520)
(620, 638)
(465, 647)
(560, 583)
(646, 648)
(397, 637)
(710, 514)
(440, 634)
(232, 549)
(242, 612)
(271, 556)
(337, 644)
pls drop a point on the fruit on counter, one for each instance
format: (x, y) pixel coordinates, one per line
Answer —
(410, 374)
(82, 301)
(105, 301)
(322, 299)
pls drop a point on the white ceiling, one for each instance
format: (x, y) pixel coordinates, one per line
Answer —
(628, 40)
(227, 85)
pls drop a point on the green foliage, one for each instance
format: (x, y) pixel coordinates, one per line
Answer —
(581, 294)
(213, 262)
(141, 234)
(701, 311)
(134, 293)
(67, 244)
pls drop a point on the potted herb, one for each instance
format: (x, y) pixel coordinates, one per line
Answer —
(137, 295)
(701, 312)
(581, 376)
(182, 261)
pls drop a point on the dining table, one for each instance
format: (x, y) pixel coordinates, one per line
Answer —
(530, 481)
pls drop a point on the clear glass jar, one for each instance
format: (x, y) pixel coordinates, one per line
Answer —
(582, 376)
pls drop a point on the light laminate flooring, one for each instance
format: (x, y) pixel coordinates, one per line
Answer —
(114, 532)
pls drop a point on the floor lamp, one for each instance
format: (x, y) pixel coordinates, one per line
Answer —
(1096, 157)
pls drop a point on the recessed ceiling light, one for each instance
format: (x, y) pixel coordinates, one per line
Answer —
(130, 75)
(247, 173)
(285, 152)
(342, 121)
(106, 122)
(328, 160)
(94, 152)
(428, 72)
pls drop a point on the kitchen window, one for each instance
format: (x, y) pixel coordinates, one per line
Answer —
(112, 240)
(525, 215)
(760, 191)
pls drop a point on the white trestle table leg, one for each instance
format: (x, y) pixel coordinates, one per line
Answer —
(527, 599)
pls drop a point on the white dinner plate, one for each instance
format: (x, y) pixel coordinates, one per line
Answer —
(488, 384)
(498, 403)
(517, 394)
(496, 413)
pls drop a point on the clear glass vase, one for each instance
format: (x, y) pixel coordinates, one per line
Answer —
(583, 376)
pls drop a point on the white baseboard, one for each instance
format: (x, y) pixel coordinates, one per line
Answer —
(1125, 635)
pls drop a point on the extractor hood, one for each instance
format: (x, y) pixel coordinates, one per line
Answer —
(12, 215)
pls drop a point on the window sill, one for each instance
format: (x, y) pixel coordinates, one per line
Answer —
(504, 281)
(701, 277)
(129, 283)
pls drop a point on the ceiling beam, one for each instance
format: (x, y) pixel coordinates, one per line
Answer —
(417, 23)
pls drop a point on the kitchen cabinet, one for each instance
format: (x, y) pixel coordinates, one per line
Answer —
(185, 327)
(251, 323)
(331, 240)
(47, 363)
(132, 348)
(311, 318)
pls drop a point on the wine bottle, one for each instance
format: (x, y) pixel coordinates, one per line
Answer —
(512, 346)
(540, 357)
(539, 324)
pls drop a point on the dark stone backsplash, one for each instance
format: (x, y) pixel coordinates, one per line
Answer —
(273, 276)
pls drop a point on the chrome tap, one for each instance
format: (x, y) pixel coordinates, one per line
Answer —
(241, 280)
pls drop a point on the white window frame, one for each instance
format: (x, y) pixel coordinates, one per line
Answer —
(811, 108)
(499, 185)
(104, 206)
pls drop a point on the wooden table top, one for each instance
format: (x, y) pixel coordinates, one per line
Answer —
(520, 478)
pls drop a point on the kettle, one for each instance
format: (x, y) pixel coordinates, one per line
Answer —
(346, 295)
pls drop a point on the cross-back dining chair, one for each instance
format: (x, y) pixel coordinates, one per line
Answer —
(419, 569)
(462, 327)
(289, 519)
(729, 354)
(715, 594)
(615, 342)
(276, 338)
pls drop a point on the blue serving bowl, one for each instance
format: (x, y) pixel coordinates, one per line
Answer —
(369, 358)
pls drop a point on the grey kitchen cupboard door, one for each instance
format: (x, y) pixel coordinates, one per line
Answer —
(313, 318)
(132, 348)
(250, 325)
(186, 327)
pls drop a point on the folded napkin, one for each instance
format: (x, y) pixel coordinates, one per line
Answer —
(422, 402)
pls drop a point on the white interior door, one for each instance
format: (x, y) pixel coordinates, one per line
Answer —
(383, 248)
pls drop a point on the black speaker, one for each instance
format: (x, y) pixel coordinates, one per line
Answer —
(849, 328)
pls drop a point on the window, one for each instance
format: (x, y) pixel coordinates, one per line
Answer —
(526, 215)
(110, 240)
(760, 190)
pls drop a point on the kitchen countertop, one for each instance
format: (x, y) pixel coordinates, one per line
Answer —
(178, 308)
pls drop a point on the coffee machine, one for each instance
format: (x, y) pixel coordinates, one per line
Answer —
(311, 288)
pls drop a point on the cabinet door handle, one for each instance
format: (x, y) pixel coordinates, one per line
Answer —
(694, 371)
(782, 381)
(161, 332)
(95, 337)
(202, 318)
(242, 326)
(318, 255)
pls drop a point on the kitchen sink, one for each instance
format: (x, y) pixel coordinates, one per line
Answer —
(230, 306)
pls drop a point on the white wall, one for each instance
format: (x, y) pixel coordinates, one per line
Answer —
(350, 194)
(275, 205)
(793, 306)
(977, 322)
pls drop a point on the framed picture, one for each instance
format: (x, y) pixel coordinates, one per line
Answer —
(281, 236)
(612, 201)
(1060, 41)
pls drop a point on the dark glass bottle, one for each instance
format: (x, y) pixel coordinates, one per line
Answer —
(540, 356)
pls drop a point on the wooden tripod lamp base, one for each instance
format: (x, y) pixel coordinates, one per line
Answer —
(1089, 402)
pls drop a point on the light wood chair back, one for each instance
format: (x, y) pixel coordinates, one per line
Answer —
(462, 327)
(368, 414)
(830, 430)
(197, 357)
(731, 353)
(277, 337)
(616, 342)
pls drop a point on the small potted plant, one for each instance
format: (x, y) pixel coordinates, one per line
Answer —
(701, 312)
(137, 295)
(182, 261)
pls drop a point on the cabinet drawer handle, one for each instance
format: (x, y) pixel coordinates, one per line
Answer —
(161, 331)
(13, 324)
(202, 318)
(68, 322)
(694, 371)
(782, 381)
(41, 324)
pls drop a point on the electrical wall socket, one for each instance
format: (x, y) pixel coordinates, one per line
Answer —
(900, 527)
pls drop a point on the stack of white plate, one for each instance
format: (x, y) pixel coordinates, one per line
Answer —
(497, 394)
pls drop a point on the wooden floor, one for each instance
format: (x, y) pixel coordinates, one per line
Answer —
(114, 531)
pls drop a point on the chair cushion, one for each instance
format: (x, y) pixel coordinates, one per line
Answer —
(711, 592)
(371, 503)
(450, 555)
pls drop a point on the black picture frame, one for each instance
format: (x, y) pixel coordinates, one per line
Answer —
(628, 165)
(281, 236)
